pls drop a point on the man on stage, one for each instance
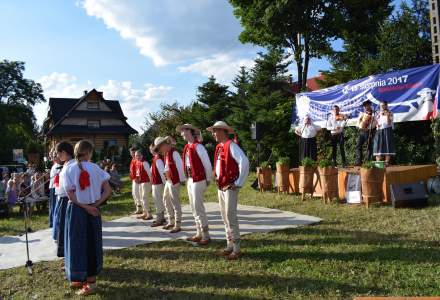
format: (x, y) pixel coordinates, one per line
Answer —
(174, 178)
(231, 170)
(367, 129)
(335, 124)
(198, 170)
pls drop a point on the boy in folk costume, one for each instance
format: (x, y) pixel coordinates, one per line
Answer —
(143, 184)
(174, 177)
(198, 170)
(54, 171)
(65, 154)
(134, 184)
(231, 170)
(87, 186)
(157, 183)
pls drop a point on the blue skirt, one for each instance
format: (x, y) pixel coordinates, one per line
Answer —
(55, 218)
(52, 203)
(59, 224)
(83, 244)
(384, 142)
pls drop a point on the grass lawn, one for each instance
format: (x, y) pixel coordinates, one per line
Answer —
(354, 251)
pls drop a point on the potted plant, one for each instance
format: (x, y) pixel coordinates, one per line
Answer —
(306, 174)
(264, 174)
(283, 174)
(328, 175)
(372, 182)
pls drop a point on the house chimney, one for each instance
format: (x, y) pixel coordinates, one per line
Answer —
(85, 92)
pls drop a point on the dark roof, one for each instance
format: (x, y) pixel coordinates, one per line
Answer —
(60, 108)
(125, 129)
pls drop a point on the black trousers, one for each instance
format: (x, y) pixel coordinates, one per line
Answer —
(338, 139)
(364, 137)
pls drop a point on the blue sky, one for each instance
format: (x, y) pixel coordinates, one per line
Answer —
(141, 52)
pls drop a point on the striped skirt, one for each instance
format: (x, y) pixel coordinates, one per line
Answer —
(83, 244)
(384, 142)
(59, 224)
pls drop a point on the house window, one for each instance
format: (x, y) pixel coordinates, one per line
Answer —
(92, 105)
(93, 123)
(109, 143)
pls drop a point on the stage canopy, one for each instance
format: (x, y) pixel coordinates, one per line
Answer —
(412, 95)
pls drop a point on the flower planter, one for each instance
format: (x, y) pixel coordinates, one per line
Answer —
(306, 175)
(329, 183)
(264, 179)
(372, 183)
(282, 178)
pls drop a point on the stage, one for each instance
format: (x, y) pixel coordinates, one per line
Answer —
(393, 175)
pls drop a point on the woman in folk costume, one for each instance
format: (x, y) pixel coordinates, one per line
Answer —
(65, 154)
(174, 175)
(54, 171)
(87, 186)
(308, 131)
(157, 183)
(231, 170)
(384, 140)
(143, 184)
(198, 170)
(134, 184)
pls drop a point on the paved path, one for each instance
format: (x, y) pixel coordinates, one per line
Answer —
(128, 231)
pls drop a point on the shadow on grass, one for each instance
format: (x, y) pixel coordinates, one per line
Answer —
(229, 283)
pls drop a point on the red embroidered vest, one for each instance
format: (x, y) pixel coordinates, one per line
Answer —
(196, 165)
(156, 179)
(141, 173)
(172, 174)
(133, 169)
(228, 166)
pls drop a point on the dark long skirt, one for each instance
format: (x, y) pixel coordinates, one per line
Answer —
(52, 203)
(60, 224)
(308, 148)
(83, 244)
(384, 142)
(55, 218)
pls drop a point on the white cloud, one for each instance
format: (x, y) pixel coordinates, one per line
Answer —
(223, 67)
(170, 31)
(136, 103)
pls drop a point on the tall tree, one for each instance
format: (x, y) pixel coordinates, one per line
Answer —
(14, 88)
(305, 28)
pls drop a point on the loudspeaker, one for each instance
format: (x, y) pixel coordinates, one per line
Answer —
(256, 133)
(409, 195)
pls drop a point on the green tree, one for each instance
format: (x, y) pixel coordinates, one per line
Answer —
(305, 28)
(17, 120)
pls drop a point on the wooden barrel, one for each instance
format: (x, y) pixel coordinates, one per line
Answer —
(372, 185)
(283, 178)
(329, 182)
(264, 178)
(306, 179)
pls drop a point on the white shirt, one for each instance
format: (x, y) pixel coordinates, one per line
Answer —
(179, 165)
(160, 168)
(97, 176)
(333, 124)
(60, 191)
(204, 157)
(242, 162)
(53, 172)
(382, 121)
(308, 131)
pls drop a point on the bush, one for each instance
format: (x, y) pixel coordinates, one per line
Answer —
(265, 165)
(285, 161)
(308, 162)
(34, 147)
(324, 163)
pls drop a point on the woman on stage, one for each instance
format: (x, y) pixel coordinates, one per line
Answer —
(384, 140)
(308, 131)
